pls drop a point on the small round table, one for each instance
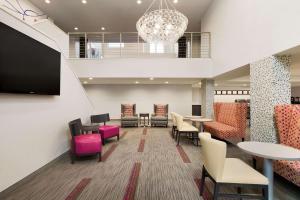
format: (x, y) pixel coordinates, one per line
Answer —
(189, 117)
(270, 152)
(201, 121)
(144, 115)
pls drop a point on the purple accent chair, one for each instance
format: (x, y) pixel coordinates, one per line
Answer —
(106, 131)
(84, 143)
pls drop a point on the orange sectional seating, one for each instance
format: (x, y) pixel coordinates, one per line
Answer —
(288, 124)
(230, 121)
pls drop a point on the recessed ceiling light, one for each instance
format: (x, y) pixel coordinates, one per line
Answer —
(175, 1)
(85, 82)
(76, 28)
(103, 28)
(151, 78)
(216, 84)
(84, 1)
(166, 82)
(91, 78)
(47, 1)
(245, 85)
(138, 1)
(137, 82)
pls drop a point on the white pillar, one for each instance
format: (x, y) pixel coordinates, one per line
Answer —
(269, 86)
(207, 92)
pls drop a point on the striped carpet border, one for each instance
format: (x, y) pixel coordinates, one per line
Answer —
(109, 152)
(183, 155)
(207, 195)
(124, 134)
(141, 145)
(78, 189)
(132, 183)
(145, 130)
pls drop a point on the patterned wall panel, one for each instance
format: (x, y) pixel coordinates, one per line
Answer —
(269, 85)
(207, 91)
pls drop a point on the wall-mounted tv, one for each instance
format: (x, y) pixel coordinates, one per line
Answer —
(26, 65)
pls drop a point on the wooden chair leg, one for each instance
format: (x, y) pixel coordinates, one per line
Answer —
(72, 157)
(216, 191)
(202, 181)
(118, 137)
(178, 137)
(254, 164)
(100, 157)
(239, 191)
(266, 192)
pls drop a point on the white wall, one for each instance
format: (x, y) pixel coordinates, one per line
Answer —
(34, 128)
(108, 98)
(249, 30)
(229, 98)
(143, 67)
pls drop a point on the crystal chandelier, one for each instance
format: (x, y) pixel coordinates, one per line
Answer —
(164, 24)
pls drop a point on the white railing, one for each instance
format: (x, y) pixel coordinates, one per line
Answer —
(98, 45)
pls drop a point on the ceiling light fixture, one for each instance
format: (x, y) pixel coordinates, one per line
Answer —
(47, 1)
(138, 1)
(76, 28)
(164, 24)
(85, 82)
(151, 78)
(91, 78)
(84, 1)
(137, 82)
(166, 82)
(103, 28)
(175, 1)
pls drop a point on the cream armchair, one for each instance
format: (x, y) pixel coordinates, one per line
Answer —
(185, 128)
(228, 171)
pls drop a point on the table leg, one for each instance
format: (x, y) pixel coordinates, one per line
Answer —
(144, 121)
(268, 172)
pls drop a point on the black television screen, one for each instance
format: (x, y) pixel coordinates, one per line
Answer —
(26, 65)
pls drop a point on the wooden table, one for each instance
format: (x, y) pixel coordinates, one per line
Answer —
(270, 152)
(201, 121)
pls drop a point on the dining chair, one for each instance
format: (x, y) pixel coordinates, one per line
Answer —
(229, 171)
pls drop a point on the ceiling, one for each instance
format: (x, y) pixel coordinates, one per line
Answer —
(114, 15)
(142, 81)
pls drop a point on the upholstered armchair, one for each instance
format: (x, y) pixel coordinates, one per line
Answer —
(288, 126)
(128, 115)
(106, 131)
(160, 115)
(84, 144)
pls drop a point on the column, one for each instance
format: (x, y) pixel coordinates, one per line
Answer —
(269, 86)
(207, 92)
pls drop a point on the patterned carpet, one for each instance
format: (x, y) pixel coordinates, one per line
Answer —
(144, 164)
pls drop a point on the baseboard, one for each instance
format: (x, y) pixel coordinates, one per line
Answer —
(23, 181)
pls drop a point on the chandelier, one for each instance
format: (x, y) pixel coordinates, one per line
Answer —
(164, 24)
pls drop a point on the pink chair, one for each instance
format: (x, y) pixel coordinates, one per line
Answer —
(106, 131)
(84, 144)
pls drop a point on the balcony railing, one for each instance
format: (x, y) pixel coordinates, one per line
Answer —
(98, 45)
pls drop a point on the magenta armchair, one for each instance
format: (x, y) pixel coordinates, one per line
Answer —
(84, 144)
(106, 131)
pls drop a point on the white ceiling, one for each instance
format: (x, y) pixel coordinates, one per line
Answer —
(142, 81)
(114, 15)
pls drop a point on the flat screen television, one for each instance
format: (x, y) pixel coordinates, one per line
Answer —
(26, 65)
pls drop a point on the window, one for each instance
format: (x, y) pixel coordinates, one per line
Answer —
(157, 48)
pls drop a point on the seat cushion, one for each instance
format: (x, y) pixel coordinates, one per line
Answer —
(188, 128)
(221, 130)
(237, 171)
(108, 131)
(130, 118)
(87, 144)
(290, 170)
(159, 118)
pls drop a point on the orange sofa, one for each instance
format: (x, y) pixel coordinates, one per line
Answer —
(230, 121)
(288, 125)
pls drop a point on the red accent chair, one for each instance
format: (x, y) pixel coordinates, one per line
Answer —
(230, 121)
(106, 131)
(288, 124)
(84, 144)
